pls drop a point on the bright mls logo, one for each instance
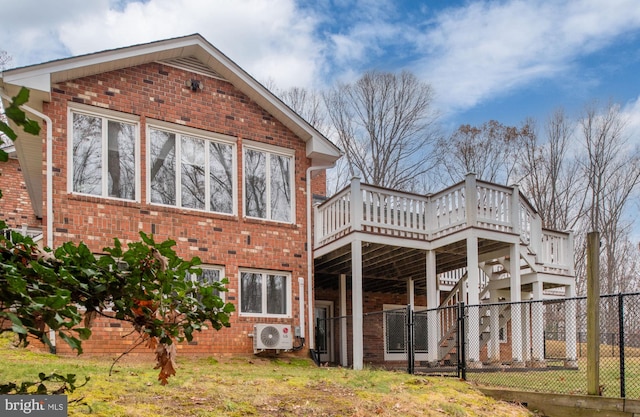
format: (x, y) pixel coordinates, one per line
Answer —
(33, 405)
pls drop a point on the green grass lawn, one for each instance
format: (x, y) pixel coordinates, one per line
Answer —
(251, 386)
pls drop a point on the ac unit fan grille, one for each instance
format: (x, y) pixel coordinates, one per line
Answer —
(270, 336)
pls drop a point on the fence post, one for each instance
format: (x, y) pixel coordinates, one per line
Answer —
(461, 345)
(593, 313)
(410, 341)
(621, 344)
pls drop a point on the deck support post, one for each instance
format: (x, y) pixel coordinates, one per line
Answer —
(357, 304)
(433, 302)
(516, 315)
(570, 327)
(537, 326)
(344, 356)
(526, 330)
(493, 346)
(473, 302)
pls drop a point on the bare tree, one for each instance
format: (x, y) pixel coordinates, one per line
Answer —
(308, 104)
(489, 151)
(547, 173)
(613, 169)
(5, 58)
(386, 125)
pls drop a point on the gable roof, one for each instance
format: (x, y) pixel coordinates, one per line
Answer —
(192, 51)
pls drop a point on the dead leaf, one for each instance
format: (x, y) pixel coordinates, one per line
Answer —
(165, 361)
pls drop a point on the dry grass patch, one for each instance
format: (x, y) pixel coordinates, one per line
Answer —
(251, 386)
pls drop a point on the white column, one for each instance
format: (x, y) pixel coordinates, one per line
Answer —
(473, 300)
(344, 356)
(570, 327)
(515, 295)
(537, 323)
(493, 347)
(433, 302)
(356, 304)
(411, 294)
(526, 330)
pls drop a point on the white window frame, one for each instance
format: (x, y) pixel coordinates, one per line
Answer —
(221, 271)
(502, 334)
(180, 131)
(105, 115)
(264, 273)
(269, 150)
(398, 356)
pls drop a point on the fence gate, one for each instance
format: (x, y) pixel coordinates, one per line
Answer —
(443, 330)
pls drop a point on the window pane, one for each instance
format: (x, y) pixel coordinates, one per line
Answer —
(276, 294)
(192, 169)
(121, 165)
(420, 332)
(163, 167)
(209, 276)
(251, 293)
(280, 188)
(255, 183)
(395, 329)
(87, 154)
(221, 177)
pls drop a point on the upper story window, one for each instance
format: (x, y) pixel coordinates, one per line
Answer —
(268, 182)
(104, 153)
(189, 170)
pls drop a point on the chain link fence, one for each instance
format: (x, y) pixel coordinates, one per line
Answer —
(532, 345)
(549, 354)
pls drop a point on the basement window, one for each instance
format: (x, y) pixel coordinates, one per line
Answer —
(265, 293)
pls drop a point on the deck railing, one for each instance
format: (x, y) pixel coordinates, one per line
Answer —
(470, 203)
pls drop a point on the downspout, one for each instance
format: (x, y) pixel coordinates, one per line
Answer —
(49, 183)
(310, 252)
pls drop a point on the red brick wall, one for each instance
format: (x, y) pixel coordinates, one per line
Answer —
(15, 205)
(373, 334)
(157, 91)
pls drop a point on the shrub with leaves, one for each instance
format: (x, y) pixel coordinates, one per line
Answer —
(147, 285)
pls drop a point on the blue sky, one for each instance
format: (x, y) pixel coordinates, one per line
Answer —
(503, 60)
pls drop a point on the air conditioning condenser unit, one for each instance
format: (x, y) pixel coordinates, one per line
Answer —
(272, 336)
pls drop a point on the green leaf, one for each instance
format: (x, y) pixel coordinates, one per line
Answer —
(16, 323)
(6, 129)
(73, 342)
(83, 332)
(32, 127)
(21, 98)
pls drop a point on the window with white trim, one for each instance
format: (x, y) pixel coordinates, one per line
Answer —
(209, 275)
(104, 153)
(268, 183)
(502, 334)
(265, 293)
(395, 332)
(191, 171)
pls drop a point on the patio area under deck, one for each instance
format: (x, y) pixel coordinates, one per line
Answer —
(401, 243)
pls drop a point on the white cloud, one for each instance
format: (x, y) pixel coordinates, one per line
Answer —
(631, 112)
(490, 48)
(472, 52)
(270, 39)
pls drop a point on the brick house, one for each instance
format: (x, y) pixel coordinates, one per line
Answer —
(173, 138)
